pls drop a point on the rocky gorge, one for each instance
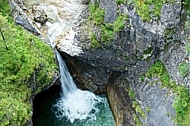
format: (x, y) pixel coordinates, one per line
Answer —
(135, 52)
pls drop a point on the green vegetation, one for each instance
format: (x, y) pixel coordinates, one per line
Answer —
(24, 59)
(137, 107)
(184, 69)
(182, 100)
(97, 14)
(107, 29)
(149, 8)
(147, 54)
(120, 1)
(186, 4)
(137, 120)
(168, 32)
(4, 8)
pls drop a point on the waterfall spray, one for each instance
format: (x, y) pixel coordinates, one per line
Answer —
(75, 104)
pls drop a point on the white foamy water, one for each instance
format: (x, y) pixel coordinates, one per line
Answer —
(75, 107)
(78, 105)
(75, 103)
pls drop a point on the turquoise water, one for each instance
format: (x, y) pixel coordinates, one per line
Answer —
(44, 113)
(101, 116)
(66, 105)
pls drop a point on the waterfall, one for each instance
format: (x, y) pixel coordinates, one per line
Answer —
(75, 103)
(76, 107)
(67, 82)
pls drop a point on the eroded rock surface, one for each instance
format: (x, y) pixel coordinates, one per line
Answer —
(116, 67)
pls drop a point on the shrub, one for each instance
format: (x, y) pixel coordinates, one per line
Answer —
(22, 54)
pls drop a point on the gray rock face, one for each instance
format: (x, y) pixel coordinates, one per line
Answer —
(132, 43)
(110, 10)
(21, 18)
(155, 102)
(129, 52)
(117, 66)
(85, 1)
(87, 76)
(172, 59)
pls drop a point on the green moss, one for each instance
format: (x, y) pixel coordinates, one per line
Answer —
(107, 29)
(131, 93)
(188, 48)
(96, 14)
(22, 56)
(119, 23)
(186, 3)
(184, 69)
(4, 8)
(182, 100)
(137, 120)
(182, 105)
(169, 32)
(120, 1)
(147, 54)
(137, 107)
(94, 42)
(148, 50)
(148, 8)
(142, 78)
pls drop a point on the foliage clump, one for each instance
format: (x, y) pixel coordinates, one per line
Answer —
(118, 2)
(136, 107)
(149, 8)
(24, 57)
(107, 29)
(182, 100)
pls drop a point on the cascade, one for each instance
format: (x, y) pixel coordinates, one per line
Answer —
(75, 107)
(75, 104)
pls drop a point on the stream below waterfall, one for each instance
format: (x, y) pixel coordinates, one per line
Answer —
(66, 105)
(44, 116)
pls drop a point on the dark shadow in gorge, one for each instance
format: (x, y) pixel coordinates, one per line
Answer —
(87, 76)
(83, 74)
(42, 106)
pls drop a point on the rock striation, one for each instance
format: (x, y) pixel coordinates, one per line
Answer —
(118, 68)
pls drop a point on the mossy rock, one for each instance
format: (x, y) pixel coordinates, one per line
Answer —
(24, 57)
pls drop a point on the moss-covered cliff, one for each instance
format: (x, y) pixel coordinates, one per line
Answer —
(140, 55)
(152, 45)
(27, 66)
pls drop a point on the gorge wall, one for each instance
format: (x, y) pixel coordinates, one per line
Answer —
(137, 52)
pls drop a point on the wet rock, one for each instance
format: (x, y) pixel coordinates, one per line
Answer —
(117, 66)
(39, 15)
(22, 19)
(119, 100)
(87, 76)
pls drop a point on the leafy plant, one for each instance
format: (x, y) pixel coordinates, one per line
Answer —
(120, 1)
(23, 58)
(137, 107)
(149, 8)
(94, 42)
(107, 29)
(184, 69)
(186, 3)
(182, 99)
(97, 14)
(119, 23)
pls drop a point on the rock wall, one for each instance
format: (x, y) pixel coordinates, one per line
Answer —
(118, 68)
(133, 50)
